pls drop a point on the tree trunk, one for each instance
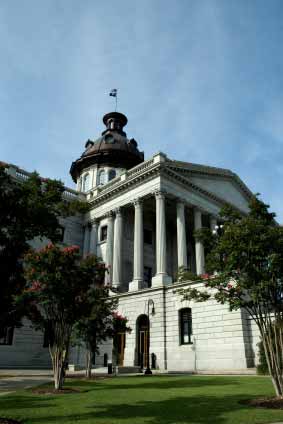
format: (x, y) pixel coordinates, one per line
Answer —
(88, 363)
(58, 369)
(273, 353)
(59, 354)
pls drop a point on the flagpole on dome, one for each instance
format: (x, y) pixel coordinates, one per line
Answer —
(114, 93)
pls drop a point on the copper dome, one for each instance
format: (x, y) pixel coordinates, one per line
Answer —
(113, 148)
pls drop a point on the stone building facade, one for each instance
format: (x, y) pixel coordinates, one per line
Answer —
(141, 221)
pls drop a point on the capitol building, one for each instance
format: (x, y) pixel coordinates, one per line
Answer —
(141, 220)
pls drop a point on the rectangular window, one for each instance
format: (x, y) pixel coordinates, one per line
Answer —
(185, 320)
(147, 236)
(103, 233)
(147, 275)
(6, 336)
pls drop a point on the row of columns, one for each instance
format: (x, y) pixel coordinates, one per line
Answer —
(115, 236)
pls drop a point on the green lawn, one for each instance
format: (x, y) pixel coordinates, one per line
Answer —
(143, 399)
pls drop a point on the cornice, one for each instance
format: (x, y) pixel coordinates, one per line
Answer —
(150, 170)
(208, 171)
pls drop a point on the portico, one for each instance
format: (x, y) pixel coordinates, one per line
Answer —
(173, 221)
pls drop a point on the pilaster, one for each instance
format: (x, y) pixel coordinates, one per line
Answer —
(93, 237)
(86, 239)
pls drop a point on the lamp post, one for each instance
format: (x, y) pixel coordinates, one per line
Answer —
(148, 370)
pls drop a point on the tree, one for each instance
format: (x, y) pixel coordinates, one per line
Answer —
(28, 209)
(98, 326)
(60, 291)
(246, 267)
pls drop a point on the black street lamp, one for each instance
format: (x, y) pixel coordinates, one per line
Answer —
(148, 370)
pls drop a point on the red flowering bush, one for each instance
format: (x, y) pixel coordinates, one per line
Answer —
(59, 286)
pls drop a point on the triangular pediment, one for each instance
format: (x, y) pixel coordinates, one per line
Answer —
(220, 182)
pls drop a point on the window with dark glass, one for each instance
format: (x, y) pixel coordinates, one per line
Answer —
(103, 233)
(147, 236)
(6, 336)
(112, 174)
(185, 320)
(147, 275)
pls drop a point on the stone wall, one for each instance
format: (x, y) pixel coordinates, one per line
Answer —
(222, 340)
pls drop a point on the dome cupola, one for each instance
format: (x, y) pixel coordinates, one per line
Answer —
(111, 149)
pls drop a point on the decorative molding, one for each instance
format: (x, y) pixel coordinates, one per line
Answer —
(118, 211)
(109, 215)
(137, 202)
(160, 194)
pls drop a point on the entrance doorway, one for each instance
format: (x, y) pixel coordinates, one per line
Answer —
(121, 338)
(143, 340)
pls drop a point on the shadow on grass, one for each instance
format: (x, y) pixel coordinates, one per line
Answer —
(153, 382)
(194, 409)
(24, 402)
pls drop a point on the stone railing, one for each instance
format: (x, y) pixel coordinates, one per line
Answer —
(21, 174)
(139, 169)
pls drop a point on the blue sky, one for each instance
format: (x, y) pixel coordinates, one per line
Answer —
(201, 80)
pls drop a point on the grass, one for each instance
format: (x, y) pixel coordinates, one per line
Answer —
(150, 400)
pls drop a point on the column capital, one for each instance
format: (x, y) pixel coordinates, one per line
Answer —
(109, 214)
(137, 202)
(118, 211)
(160, 194)
(180, 202)
(87, 224)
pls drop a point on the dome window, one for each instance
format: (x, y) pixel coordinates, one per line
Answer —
(101, 177)
(86, 182)
(112, 174)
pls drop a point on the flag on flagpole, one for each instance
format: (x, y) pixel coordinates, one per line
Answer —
(113, 92)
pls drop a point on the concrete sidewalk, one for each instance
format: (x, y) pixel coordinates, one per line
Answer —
(10, 384)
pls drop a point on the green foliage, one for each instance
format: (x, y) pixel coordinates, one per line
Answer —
(186, 275)
(28, 209)
(61, 290)
(98, 325)
(245, 264)
(61, 286)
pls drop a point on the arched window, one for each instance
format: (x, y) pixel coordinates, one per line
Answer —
(112, 174)
(86, 182)
(185, 325)
(101, 177)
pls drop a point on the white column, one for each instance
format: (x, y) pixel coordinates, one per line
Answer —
(213, 223)
(161, 277)
(181, 236)
(86, 240)
(117, 252)
(136, 284)
(109, 248)
(198, 244)
(93, 237)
